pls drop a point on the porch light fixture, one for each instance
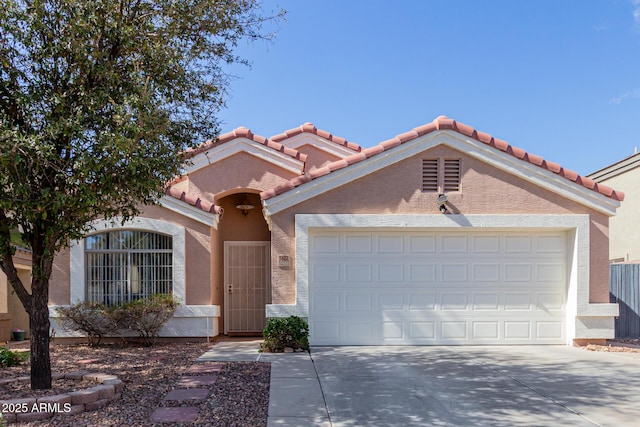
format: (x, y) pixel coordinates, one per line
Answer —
(245, 206)
(442, 200)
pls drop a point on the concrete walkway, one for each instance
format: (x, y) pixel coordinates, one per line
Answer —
(295, 396)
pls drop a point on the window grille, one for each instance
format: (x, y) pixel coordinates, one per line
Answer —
(125, 265)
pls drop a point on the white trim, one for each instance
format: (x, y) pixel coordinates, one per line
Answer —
(578, 307)
(318, 142)
(492, 156)
(185, 209)
(239, 145)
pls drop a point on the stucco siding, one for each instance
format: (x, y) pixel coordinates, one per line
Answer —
(624, 231)
(59, 290)
(316, 158)
(240, 171)
(396, 190)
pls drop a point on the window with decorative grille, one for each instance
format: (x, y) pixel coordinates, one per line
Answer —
(125, 265)
(441, 175)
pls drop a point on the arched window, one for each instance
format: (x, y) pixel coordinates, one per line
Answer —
(125, 265)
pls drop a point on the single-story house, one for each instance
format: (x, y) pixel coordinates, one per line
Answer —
(440, 235)
(624, 233)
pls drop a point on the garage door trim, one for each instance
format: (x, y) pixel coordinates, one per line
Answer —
(578, 256)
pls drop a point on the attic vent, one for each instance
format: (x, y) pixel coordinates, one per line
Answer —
(451, 175)
(441, 175)
(430, 175)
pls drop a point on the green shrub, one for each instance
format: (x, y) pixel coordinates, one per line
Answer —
(280, 333)
(146, 316)
(10, 358)
(96, 320)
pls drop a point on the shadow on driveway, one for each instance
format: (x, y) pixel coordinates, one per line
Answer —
(478, 386)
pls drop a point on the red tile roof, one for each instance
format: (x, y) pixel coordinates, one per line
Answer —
(194, 201)
(445, 123)
(310, 128)
(242, 132)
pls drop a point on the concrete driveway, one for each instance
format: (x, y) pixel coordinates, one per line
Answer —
(478, 386)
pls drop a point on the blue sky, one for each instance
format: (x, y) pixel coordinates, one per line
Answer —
(560, 79)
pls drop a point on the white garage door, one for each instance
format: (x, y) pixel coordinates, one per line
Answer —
(437, 287)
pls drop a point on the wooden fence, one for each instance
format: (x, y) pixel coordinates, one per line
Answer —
(624, 288)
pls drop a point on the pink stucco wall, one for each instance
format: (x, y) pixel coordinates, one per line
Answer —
(316, 158)
(197, 258)
(240, 171)
(396, 190)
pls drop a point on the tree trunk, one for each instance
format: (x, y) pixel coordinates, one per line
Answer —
(39, 327)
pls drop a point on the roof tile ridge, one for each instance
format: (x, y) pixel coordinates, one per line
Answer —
(446, 123)
(243, 132)
(309, 127)
(194, 200)
(443, 122)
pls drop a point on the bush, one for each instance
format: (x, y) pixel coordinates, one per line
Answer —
(96, 320)
(145, 316)
(288, 332)
(10, 358)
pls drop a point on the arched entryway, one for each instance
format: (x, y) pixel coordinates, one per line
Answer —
(244, 242)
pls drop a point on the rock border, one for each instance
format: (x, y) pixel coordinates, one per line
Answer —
(75, 402)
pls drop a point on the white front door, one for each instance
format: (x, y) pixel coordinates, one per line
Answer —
(246, 286)
(437, 287)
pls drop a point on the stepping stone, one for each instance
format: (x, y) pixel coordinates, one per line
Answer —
(180, 414)
(190, 381)
(187, 394)
(204, 368)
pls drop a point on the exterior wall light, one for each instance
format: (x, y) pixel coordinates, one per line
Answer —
(442, 200)
(245, 206)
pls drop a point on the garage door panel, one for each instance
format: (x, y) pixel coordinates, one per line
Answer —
(391, 244)
(454, 244)
(517, 272)
(454, 301)
(358, 301)
(454, 272)
(358, 244)
(485, 330)
(486, 301)
(424, 244)
(453, 330)
(358, 273)
(485, 272)
(423, 301)
(390, 272)
(430, 288)
(422, 272)
(486, 244)
(517, 301)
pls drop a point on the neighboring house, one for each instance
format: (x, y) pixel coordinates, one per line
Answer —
(441, 235)
(624, 233)
(12, 313)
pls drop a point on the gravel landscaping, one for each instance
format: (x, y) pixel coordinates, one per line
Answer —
(239, 396)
